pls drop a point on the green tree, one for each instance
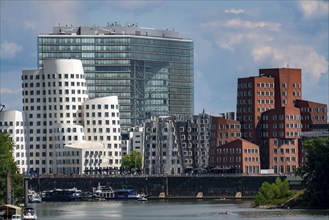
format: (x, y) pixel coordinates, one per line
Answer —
(315, 172)
(273, 194)
(132, 161)
(8, 165)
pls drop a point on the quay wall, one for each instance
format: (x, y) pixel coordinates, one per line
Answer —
(170, 186)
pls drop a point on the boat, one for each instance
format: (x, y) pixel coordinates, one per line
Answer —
(29, 213)
(103, 192)
(107, 193)
(16, 217)
(34, 197)
(126, 194)
(142, 199)
(62, 195)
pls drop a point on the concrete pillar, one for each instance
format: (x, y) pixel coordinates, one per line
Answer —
(26, 192)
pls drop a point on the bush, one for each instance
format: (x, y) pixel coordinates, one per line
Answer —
(273, 194)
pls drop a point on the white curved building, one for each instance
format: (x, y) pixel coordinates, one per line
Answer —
(12, 122)
(102, 124)
(53, 101)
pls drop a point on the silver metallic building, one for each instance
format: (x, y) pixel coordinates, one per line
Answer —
(151, 71)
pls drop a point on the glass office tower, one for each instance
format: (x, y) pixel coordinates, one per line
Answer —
(150, 70)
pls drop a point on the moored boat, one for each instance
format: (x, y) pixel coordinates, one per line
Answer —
(62, 195)
(103, 192)
(126, 194)
(29, 213)
(107, 193)
(34, 197)
(142, 199)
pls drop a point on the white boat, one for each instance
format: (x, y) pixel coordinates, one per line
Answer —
(34, 197)
(103, 192)
(29, 213)
(16, 217)
(142, 199)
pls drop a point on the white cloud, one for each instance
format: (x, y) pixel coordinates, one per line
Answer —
(130, 4)
(313, 9)
(9, 91)
(44, 15)
(304, 57)
(230, 41)
(238, 23)
(234, 11)
(9, 50)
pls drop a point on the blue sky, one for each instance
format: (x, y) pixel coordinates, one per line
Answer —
(232, 39)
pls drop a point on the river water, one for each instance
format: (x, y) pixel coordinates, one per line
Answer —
(168, 210)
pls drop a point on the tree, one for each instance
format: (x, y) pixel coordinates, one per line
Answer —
(132, 161)
(315, 172)
(273, 194)
(8, 165)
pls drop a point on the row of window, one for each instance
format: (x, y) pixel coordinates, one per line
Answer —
(281, 125)
(284, 159)
(53, 76)
(265, 93)
(265, 85)
(282, 150)
(280, 134)
(101, 130)
(225, 159)
(245, 93)
(49, 84)
(79, 40)
(315, 109)
(11, 123)
(55, 99)
(284, 169)
(99, 114)
(265, 101)
(99, 106)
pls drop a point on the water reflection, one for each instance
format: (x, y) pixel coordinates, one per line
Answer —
(171, 210)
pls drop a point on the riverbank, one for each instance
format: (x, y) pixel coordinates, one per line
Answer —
(170, 186)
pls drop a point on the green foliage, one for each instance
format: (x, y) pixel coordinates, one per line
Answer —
(273, 194)
(315, 172)
(7, 164)
(132, 161)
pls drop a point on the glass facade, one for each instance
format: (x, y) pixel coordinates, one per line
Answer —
(150, 75)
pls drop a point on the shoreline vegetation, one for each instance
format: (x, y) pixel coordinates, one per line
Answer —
(315, 181)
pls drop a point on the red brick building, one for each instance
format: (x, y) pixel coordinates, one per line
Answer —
(281, 128)
(222, 132)
(272, 115)
(312, 113)
(238, 156)
(228, 152)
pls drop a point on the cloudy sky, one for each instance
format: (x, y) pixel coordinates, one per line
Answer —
(232, 39)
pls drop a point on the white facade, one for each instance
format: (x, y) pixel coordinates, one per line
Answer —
(102, 124)
(53, 100)
(84, 156)
(137, 139)
(133, 140)
(12, 122)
